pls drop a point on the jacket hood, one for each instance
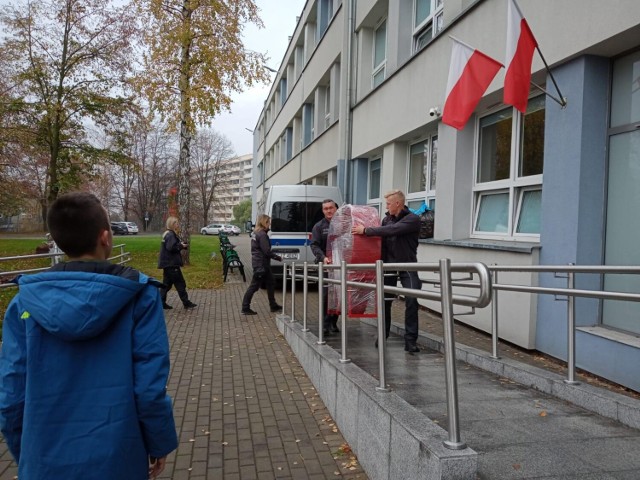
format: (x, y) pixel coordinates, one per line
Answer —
(76, 305)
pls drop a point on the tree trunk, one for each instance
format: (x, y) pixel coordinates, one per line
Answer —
(184, 161)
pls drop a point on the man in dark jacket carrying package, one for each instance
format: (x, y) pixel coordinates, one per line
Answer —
(399, 231)
(85, 361)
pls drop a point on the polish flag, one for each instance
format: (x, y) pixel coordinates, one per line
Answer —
(470, 74)
(520, 47)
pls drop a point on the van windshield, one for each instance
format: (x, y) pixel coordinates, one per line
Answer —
(291, 216)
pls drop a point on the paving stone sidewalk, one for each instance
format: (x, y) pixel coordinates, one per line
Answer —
(244, 407)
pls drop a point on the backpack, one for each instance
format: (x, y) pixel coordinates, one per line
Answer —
(427, 219)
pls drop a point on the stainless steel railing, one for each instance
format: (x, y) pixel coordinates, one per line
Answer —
(56, 256)
(445, 296)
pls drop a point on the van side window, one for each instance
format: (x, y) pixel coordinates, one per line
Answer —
(292, 216)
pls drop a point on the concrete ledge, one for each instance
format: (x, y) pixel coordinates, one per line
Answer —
(391, 438)
(609, 404)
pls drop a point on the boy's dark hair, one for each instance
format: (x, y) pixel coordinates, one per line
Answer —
(75, 221)
(328, 200)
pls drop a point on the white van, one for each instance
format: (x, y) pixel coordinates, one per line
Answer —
(294, 210)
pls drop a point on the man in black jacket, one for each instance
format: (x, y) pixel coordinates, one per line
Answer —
(319, 235)
(399, 231)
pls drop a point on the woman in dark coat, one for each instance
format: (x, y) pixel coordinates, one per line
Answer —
(261, 256)
(170, 261)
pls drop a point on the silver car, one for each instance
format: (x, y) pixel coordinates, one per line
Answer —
(231, 230)
(212, 229)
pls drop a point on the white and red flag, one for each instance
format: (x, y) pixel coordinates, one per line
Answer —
(470, 74)
(520, 47)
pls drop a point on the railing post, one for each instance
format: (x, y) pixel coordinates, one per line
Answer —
(571, 330)
(446, 294)
(284, 287)
(293, 292)
(320, 303)
(494, 319)
(305, 289)
(343, 304)
(382, 343)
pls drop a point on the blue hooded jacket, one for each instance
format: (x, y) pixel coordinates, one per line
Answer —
(83, 373)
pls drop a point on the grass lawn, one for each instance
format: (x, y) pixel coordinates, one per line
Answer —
(203, 272)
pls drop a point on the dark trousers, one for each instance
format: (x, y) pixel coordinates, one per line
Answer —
(408, 280)
(172, 276)
(256, 282)
(329, 319)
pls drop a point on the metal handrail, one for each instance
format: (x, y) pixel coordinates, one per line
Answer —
(569, 291)
(445, 268)
(122, 258)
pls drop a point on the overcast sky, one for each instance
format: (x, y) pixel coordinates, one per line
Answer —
(279, 18)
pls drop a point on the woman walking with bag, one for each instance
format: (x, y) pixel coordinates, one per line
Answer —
(261, 256)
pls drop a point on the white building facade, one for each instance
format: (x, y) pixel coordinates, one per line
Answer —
(234, 186)
(350, 106)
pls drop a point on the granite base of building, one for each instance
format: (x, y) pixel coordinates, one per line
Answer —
(391, 438)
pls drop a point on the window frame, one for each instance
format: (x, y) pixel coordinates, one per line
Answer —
(428, 195)
(374, 200)
(515, 185)
(380, 68)
(434, 21)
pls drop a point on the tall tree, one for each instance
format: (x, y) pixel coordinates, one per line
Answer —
(242, 213)
(68, 62)
(195, 60)
(211, 151)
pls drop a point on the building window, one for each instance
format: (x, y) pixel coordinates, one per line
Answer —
(288, 140)
(421, 181)
(307, 124)
(327, 107)
(325, 14)
(379, 53)
(375, 168)
(508, 186)
(283, 91)
(427, 21)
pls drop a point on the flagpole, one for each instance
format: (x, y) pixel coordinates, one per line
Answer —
(563, 100)
(463, 43)
(558, 101)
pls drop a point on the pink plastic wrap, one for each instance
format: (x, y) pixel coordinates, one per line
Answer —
(343, 245)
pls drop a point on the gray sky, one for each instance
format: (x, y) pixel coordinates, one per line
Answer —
(279, 18)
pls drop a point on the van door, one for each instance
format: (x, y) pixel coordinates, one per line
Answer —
(291, 224)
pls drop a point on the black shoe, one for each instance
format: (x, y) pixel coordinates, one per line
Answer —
(411, 348)
(248, 311)
(190, 305)
(276, 308)
(325, 331)
(334, 328)
(166, 306)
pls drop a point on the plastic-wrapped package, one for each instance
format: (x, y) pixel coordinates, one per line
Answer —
(343, 245)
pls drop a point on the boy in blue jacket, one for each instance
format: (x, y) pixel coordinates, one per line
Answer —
(85, 361)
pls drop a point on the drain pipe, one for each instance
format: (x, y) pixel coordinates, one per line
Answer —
(348, 134)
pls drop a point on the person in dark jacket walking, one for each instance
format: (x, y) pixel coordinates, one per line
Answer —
(319, 235)
(85, 360)
(261, 256)
(399, 231)
(170, 261)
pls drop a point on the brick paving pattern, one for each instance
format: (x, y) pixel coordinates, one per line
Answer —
(244, 407)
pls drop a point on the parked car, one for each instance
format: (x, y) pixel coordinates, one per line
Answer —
(132, 228)
(231, 230)
(119, 228)
(212, 229)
